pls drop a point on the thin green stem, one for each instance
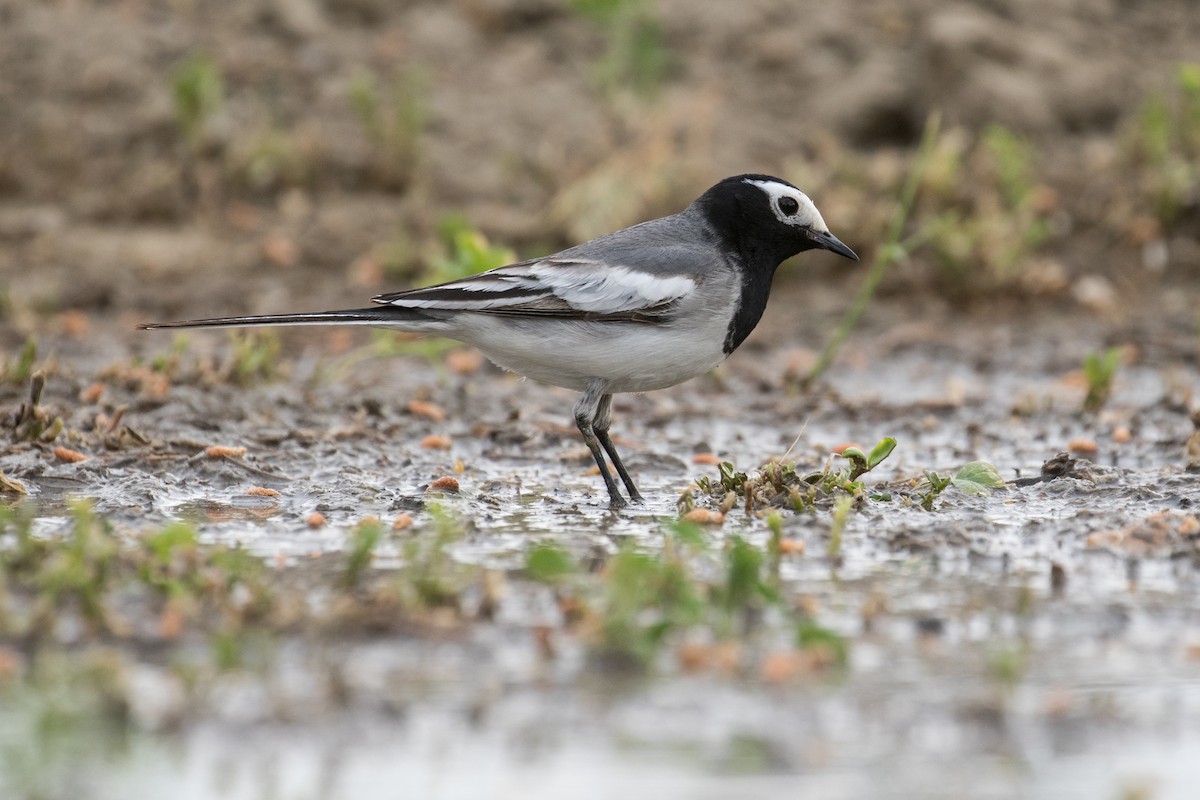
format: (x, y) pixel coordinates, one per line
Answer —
(892, 251)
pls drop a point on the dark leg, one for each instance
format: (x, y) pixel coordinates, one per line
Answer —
(585, 413)
(600, 425)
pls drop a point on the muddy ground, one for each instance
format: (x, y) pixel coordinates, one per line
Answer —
(380, 635)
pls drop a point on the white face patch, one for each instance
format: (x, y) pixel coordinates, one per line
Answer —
(806, 214)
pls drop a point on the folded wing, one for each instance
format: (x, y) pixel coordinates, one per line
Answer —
(576, 288)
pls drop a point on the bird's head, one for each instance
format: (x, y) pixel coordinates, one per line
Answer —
(760, 216)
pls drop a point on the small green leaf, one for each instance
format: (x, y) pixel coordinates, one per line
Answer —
(978, 477)
(881, 451)
(1189, 78)
(810, 635)
(688, 533)
(854, 454)
(547, 563)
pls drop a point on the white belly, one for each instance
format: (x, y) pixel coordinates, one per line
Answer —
(629, 357)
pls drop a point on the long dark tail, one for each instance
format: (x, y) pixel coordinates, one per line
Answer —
(383, 316)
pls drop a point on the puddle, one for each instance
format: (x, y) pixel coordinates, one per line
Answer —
(1038, 642)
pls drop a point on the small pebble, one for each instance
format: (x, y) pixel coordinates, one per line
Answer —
(781, 667)
(280, 250)
(170, 622)
(436, 441)
(706, 458)
(74, 323)
(1083, 446)
(421, 408)
(223, 451)
(1121, 434)
(402, 522)
(464, 362)
(694, 656)
(704, 516)
(262, 491)
(446, 483)
(92, 393)
(315, 520)
(791, 547)
(68, 455)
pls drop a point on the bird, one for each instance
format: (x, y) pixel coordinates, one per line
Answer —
(640, 309)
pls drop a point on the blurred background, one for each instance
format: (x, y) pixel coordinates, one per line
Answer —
(194, 158)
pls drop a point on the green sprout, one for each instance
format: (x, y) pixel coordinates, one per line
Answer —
(393, 119)
(549, 564)
(431, 577)
(841, 513)
(198, 92)
(363, 540)
(895, 248)
(646, 597)
(636, 55)
(467, 252)
(1099, 370)
(80, 569)
(255, 356)
(273, 159)
(1165, 146)
(832, 645)
(18, 371)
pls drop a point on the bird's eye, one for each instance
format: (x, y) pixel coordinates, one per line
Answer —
(788, 206)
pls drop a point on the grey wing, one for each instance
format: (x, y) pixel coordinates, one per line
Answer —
(558, 286)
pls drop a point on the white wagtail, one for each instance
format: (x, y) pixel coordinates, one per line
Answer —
(644, 308)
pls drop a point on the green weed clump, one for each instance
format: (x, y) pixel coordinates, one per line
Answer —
(636, 56)
(198, 92)
(107, 581)
(969, 208)
(836, 486)
(18, 370)
(977, 477)
(273, 159)
(363, 541)
(255, 356)
(392, 115)
(646, 598)
(465, 252)
(1100, 370)
(430, 576)
(1164, 148)
(777, 485)
(982, 212)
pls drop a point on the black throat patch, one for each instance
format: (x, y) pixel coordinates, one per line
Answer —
(756, 290)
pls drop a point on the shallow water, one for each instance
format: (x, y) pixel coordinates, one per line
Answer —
(975, 673)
